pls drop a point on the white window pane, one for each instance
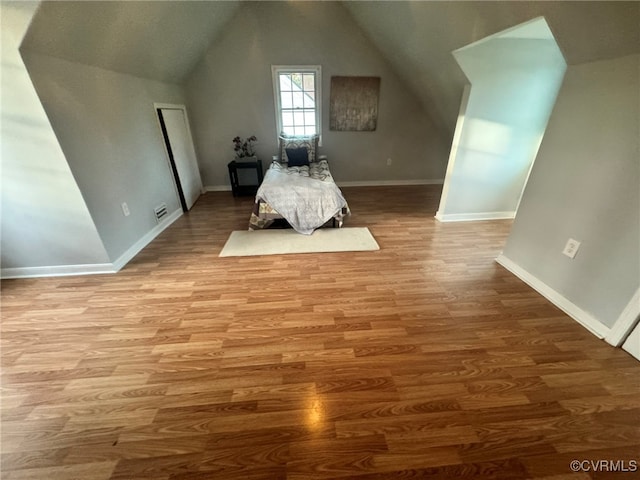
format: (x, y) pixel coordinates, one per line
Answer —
(298, 100)
(287, 118)
(285, 82)
(309, 100)
(296, 80)
(285, 100)
(310, 118)
(308, 81)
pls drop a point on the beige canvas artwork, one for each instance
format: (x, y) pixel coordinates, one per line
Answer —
(354, 103)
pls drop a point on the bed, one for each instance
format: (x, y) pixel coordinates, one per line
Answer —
(299, 190)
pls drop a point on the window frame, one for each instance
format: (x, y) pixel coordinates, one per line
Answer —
(276, 70)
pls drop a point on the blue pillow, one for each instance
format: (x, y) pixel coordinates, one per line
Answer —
(297, 157)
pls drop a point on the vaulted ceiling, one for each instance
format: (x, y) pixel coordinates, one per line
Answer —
(164, 40)
(161, 40)
(417, 37)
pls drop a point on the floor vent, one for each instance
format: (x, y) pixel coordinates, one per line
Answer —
(160, 211)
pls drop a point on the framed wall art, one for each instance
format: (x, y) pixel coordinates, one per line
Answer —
(354, 104)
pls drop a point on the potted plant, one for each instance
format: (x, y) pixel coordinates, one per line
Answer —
(244, 148)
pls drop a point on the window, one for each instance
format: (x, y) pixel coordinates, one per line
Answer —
(297, 98)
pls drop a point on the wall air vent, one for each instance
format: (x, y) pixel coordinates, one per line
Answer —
(160, 212)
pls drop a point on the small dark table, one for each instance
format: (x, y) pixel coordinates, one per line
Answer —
(238, 189)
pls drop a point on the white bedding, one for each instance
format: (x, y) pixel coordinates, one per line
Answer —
(305, 202)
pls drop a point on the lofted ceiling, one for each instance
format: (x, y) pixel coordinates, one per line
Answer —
(164, 40)
(418, 38)
(161, 40)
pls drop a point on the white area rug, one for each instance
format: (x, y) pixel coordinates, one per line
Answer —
(273, 242)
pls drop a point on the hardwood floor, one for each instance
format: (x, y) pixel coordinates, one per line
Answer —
(425, 359)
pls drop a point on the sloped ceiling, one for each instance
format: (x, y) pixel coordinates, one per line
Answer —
(160, 40)
(417, 38)
(164, 40)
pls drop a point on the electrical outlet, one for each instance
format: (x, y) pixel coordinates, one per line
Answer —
(125, 209)
(389, 162)
(571, 248)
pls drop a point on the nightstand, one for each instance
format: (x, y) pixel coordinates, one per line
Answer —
(238, 189)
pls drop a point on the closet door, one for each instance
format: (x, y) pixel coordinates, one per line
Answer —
(182, 154)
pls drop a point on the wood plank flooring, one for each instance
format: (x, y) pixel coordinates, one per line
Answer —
(425, 359)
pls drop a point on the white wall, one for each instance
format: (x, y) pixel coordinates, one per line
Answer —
(230, 93)
(46, 226)
(515, 77)
(106, 124)
(585, 185)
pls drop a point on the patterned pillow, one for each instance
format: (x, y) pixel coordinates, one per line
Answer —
(309, 141)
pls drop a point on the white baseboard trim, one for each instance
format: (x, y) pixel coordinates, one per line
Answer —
(57, 271)
(625, 322)
(92, 269)
(474, 217)
(391, 183)
(217, 188)
(364, 183)
(146, 240)
(575, 312)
